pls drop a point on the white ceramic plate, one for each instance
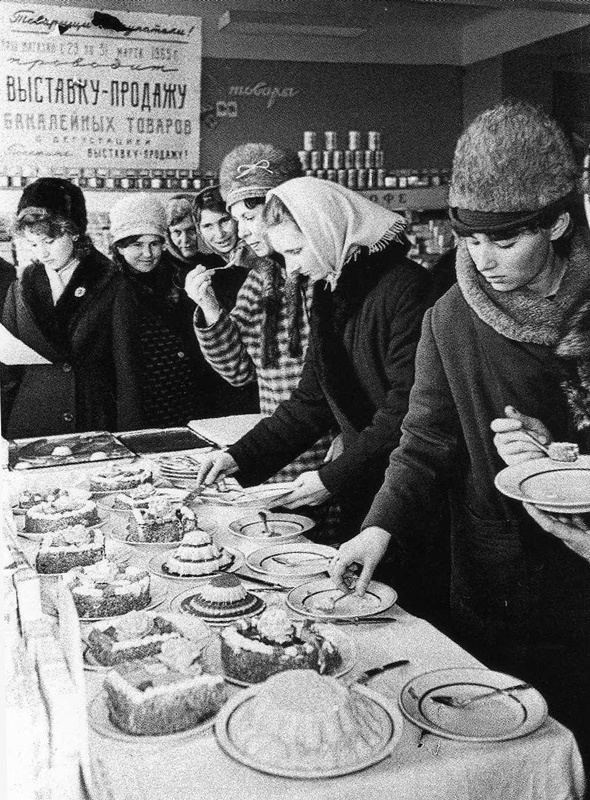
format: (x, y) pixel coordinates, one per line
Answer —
(494, 719)
(192, 628)
(342, 641)
(156, 565)
(295, 560)
(107, 503)
(264, 496)
(558, 486)
(237, 709)
(98, 717)
(304, 598)
(180, 604)
(120, 533)
(282, 526)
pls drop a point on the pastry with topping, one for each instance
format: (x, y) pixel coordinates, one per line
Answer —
(197, 555)
(161, 520)
(118, 477)
(107, 589)
(67, 548)
(61, 508)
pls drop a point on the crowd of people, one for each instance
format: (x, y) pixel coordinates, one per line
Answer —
(389, 401)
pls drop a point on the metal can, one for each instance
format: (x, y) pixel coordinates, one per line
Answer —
(359, 159)
(361, 178)
(338, 159)
(352, 178)
(342, 177)
(349, 159)
(391, 181)
(310, 140)
(379, 158)
(327, 159)
(354, 140)
(321, 173)
(374, 140)
(310, 173)
(331, 140)
(305, 159)
(371, 179)
(369, 159)
(381, 175)
(332, 175)
(315, 159)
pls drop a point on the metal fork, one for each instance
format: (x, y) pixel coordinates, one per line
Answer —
(456, 702)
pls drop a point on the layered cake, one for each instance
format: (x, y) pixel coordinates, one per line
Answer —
(138, 634)
(67, 548)
(108, 589)
(254, 649)
(141, 496)
(197, 555)
(163, 694)
(161, 520)
(299, 720)
(118, 477)
(61, 509)
(223, 597)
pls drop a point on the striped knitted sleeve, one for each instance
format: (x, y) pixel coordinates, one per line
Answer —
(228, 344)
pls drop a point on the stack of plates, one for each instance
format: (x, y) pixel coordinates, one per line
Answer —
(179, 469)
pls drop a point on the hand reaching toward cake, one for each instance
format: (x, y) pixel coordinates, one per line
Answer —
(308, 490)
(366, 548)
(214, 467)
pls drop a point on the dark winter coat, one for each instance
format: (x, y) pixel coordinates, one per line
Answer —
(91, 383)
(357, 375)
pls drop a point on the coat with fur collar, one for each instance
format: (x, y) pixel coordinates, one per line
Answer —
(92, 380)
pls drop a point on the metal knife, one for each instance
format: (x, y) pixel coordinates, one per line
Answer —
(371, 673)
(251, 578)
(356, 620)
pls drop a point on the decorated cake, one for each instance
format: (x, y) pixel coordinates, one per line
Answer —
(140, 496)
(67, 548)
(163, 694)
(223, 597)
(137, 634)
(161, 520)
(117, 477)
(61, 509)
(107, 589)
(299, 720)
(197, 555)
(254, 649)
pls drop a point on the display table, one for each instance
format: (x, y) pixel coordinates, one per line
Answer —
(544, 765)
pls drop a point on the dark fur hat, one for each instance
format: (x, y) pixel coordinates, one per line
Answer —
(251, 169)
(56, 195)
(512, 158)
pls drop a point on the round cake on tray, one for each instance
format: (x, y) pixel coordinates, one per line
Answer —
(107, 589)
(223, 597)
(117, 477)
(254, 649)
(301, 721)
(61, 509)
(197, 555)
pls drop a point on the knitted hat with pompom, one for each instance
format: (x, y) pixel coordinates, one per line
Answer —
(251, 169)
(513, 159)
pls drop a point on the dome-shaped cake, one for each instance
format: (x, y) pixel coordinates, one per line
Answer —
(223, 597)
(197, 555)
(299, 720)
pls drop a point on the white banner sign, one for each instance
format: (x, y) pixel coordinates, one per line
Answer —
(81, 88)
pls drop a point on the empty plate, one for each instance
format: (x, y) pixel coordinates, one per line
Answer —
(313, 600)
(278, 526)
(558, 486)
(291, 561)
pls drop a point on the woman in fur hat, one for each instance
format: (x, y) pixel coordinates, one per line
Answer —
(71, 307)
(520, 598)
(265, 336)
(176, 383)
(368, 303)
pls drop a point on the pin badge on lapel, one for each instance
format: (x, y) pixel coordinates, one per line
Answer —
(80, 291)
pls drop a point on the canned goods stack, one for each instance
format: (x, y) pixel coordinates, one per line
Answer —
(356, 167)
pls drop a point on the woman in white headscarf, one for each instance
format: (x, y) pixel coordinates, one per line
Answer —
(366, 313)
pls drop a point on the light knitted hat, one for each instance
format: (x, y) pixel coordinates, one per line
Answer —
(251, 169)
(513, 159)
(138, 215)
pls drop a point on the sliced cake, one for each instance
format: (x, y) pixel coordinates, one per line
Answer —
(161, 520)
(254, 649)
(223, 597)
(108, 589)
(163, 694)
(197, 555)
(67, 548)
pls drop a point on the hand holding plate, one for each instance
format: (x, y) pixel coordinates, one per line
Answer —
(570, 528)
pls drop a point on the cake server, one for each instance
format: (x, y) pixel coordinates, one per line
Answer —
(371, 673)
(355, 620)
(272, 584)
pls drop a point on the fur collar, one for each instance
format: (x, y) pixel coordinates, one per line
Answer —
(573, 350)
(522, 315)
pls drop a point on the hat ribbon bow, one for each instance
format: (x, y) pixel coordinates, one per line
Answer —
(247, 169)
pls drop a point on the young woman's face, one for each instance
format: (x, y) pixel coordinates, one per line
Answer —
(219, 230)
(251, 227)
(288, 240)
(184, 237)
(513, 263)
(144, 254)
(53, 253)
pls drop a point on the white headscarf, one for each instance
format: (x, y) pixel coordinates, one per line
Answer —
(337, 221)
